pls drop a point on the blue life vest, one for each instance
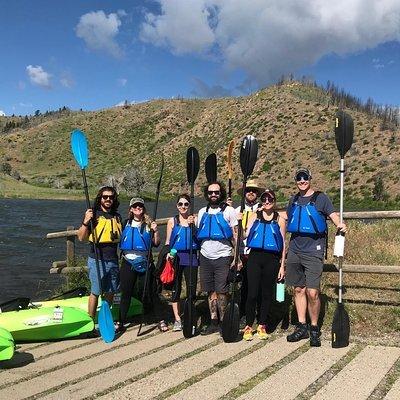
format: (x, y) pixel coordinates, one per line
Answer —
(135, 238)
(306, 218)
(265, 235)
(180, 237)
(214, 226)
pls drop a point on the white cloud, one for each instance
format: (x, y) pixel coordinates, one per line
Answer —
(182, 26)
(27, 105)
(38, 76)
(66, 80)
(122, 82)
(203, 90)
(99, 30)
(269, 38)
(2, 113)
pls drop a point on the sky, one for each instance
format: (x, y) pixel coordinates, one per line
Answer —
(97, 54)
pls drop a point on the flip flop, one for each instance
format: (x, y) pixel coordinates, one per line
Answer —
(162, 326)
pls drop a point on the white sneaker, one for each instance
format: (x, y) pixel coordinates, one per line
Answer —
(177, 326)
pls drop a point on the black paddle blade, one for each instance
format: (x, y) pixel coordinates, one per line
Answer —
(344, 130)
(340, 327)
(230, 323)
(211, 168)
(76, 292)
(192, 164)
(189, 319)
(20, 303)
(248, 155)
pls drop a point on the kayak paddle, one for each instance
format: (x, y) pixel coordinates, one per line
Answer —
(79, 147)
(211, 168)
(149, 251)
(189, 312)
(230, 169)
(344, 129)
(248, 158)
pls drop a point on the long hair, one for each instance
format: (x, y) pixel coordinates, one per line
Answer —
(97, 200)
(145, 217)
(222, 189)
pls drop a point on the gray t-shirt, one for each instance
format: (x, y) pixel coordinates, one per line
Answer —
(313, 244)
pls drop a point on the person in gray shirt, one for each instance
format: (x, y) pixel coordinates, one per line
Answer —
(307, 212)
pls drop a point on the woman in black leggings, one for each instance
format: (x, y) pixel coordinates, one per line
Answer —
(135, 242)
(265, 237)
(178, 235)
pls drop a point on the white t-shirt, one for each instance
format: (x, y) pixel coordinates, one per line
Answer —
(214, 249)
(243, 248)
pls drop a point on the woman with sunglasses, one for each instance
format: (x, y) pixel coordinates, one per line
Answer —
(135, 243)
(178, 237)
(266, 263)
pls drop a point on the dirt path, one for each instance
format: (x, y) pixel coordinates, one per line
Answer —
(160, 366)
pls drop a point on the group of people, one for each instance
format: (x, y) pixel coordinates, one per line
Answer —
(264, 258)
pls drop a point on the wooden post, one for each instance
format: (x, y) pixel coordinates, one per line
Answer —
(71, 247)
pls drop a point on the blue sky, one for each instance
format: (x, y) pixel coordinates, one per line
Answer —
(96, 54)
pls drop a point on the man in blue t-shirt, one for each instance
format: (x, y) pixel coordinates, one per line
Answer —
(307, 212)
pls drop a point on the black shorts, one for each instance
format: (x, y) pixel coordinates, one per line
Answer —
(304, 270)
(214, 273)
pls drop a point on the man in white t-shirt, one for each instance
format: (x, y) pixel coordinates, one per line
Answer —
(217, 230)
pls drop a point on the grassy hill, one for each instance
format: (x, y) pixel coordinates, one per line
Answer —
(292, 122)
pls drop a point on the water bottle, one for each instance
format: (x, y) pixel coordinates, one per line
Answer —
(280, 291)
(338, 248)
(58, 314)
(173, 253)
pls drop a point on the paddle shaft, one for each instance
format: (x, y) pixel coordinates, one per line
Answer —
(96, 254)
(340, 291)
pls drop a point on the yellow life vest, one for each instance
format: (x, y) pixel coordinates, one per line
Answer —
(245, 219)
(107, 230)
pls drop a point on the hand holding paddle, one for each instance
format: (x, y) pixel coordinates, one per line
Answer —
(80, 151)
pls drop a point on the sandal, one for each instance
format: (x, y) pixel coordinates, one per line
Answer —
(162, 326)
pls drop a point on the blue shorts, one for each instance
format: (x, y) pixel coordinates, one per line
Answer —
(109, 273)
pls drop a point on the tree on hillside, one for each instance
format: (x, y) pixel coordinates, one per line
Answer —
(378, 191)
(133, 181)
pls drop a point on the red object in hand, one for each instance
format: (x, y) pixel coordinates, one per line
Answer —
(168, 274)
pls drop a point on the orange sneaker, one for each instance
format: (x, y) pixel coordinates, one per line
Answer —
(248, 333)
(262, 333)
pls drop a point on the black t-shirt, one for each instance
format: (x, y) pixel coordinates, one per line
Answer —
(106, 251)
(313, 244)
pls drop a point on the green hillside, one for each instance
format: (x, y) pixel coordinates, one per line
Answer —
(293, 123)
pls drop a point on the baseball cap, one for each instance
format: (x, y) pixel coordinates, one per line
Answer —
(136, 200)
(304, 171)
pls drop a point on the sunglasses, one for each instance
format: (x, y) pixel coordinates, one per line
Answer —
(180, 204)
(267, 199)
(137, 205)
(107, 197)
(210, 192)
(251, 190)
(302, 176)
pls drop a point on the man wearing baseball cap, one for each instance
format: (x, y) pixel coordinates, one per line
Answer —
(307, 212)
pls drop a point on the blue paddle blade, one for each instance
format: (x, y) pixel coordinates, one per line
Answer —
(106, 323)
(79, 147)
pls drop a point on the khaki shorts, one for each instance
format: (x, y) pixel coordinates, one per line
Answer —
(303, 270)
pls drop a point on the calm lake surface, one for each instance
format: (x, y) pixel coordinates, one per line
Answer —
(25, 253)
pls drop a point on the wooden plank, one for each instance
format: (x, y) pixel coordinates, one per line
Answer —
(360, 377)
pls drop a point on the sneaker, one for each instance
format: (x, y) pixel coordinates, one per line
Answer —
(177, 326)
(300, 332)
(210, 329)
(315, 341)
(119, 327)
(261, 332)
(248, 333)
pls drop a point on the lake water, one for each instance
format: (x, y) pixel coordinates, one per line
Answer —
(25, 253)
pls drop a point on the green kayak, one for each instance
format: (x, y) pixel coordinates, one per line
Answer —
(46, 323)
(135, 307)
(6, 345)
